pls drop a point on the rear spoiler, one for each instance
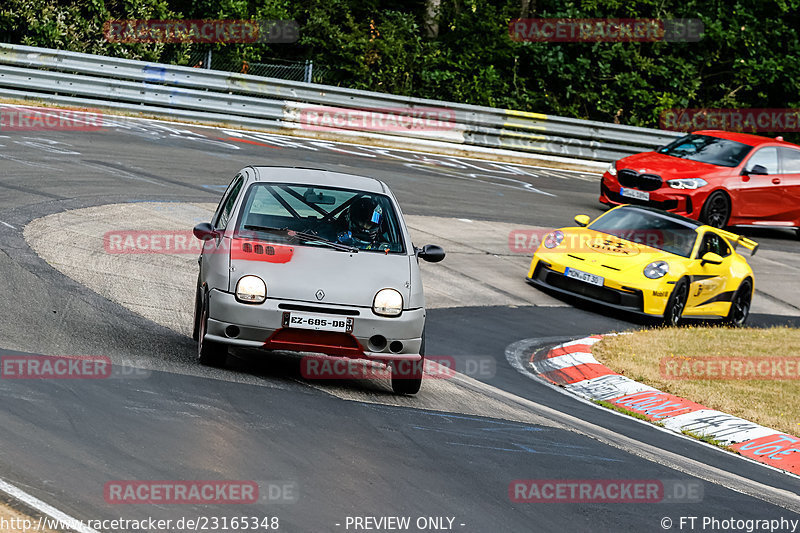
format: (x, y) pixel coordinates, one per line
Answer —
(750, 244)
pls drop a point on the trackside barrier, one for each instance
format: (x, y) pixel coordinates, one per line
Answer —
(123, 85)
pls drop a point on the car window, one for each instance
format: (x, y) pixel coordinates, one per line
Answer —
(223, 200)
(360, 219)
(228, 203)
(790, 161)
(707, 149)
(713, 243)
(766, 157)
(649, 228)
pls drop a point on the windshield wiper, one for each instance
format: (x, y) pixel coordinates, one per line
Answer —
(301, 235)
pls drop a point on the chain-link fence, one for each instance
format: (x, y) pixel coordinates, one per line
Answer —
(284, 69)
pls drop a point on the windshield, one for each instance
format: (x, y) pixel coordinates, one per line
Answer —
(648, 228)
(707, 149)
(318, 216)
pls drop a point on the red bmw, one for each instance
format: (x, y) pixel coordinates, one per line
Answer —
(719, 178)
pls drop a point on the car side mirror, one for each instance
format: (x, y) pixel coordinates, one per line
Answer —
(757, 170)
(582, 220)
(431, 253)
(205, 232)
(711, 258)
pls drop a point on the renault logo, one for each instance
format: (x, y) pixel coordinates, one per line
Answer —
(320, 294)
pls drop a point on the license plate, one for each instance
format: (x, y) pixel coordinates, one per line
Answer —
(633, 193)
(584, 276)
(318, 322)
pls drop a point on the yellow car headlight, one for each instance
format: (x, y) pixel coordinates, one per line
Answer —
(656, 269)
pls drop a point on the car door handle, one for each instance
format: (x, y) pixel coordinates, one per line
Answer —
(776, 181)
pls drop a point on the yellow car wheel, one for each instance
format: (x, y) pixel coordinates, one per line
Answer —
(673, 313)
(740, 305)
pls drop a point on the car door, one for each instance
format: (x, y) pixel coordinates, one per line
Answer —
(757, 197)
(790, 185)
(215, 259)
(707, 294)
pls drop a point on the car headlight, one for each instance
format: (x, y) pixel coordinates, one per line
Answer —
(656, 269)
(251, 290)
(388, 302)
(553, 239)
(687, 183)
(612, 168)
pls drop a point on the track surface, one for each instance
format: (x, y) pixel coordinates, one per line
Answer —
(63, 440)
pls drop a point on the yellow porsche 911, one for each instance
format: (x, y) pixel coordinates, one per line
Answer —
(650, 262)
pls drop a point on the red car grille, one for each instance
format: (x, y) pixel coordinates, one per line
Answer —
(644, 182)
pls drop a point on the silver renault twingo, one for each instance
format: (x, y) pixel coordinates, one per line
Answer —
(310, 260)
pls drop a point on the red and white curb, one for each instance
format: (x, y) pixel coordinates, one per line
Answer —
(572, 366)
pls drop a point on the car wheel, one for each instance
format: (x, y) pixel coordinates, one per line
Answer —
(209, 353)
(407, 375)
(717, 210)
(740, 305)
(673, 313)
(197, 310)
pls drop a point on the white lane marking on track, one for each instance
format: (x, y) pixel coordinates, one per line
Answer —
(489, 180)
(130, 123)
(49, 510)
(7, 224)
(27, 163)
(47, 145)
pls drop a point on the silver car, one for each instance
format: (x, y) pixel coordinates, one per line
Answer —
(315, 261)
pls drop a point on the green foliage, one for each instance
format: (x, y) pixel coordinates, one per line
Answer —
(748, 57)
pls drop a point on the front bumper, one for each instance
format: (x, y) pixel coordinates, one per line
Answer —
(648, 301)
(664, 198)
(261, 326)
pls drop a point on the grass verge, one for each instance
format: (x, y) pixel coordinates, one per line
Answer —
(665, 358)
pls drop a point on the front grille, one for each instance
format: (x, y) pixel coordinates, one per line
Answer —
(633, 300)
(313, 309)
(643, 182)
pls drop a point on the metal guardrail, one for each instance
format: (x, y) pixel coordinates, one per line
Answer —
(71, 78)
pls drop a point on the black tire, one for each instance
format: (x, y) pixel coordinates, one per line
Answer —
(676, 304)
(209, 353)
(740, 305)
(197, 310)
(407, 375)
(717, 210)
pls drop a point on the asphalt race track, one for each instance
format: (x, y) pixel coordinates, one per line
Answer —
(344, 449)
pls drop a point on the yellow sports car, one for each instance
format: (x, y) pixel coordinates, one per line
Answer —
(649, 262)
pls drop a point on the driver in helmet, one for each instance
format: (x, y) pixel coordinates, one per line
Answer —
(364, 223)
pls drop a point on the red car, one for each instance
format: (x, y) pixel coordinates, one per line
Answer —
(719, 178)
